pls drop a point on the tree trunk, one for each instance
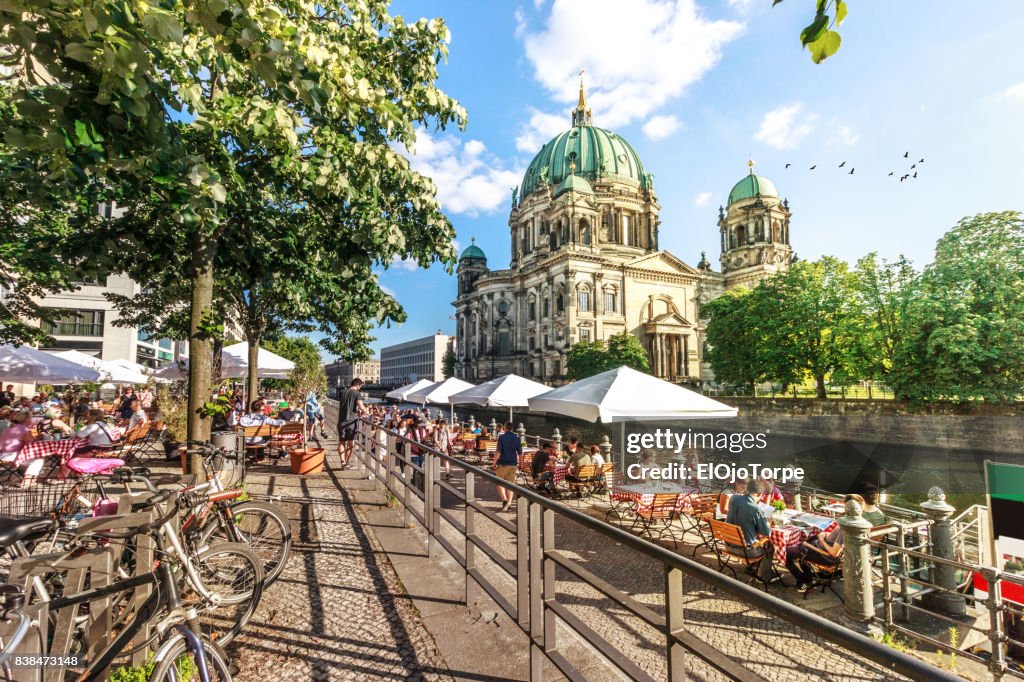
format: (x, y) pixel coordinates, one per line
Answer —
(200, 344)
(253, 381)
(819, 381)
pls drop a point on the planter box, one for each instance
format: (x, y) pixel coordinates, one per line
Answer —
(308, 460)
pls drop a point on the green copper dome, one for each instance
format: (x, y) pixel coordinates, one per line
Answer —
(473, 251)
(752, 186)
(594, 152)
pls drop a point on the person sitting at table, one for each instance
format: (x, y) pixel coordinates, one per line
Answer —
(53, 416)
(257, 416)
(572, 449)
(81, 408)
(542, 476)
(288, 413)
(5, 417)
(824, 548)
(36, 405)
(124, 409)
(744, 512)
(869, 494)
(596, 457)
(647, 462)
(14, 438)
(578, 458)
(767, 491)
(96, 433)
(138, 417)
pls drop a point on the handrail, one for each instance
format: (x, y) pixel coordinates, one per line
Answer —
(855, 642)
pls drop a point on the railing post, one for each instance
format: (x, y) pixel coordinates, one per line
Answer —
(470, 549)
(493, 426)
(435, 496)
(674, 620)
(536, 595)
(940, 537)
(428, 502)
(557, 438)
(521, 431)
(606, 448)
(858, 593)
(523, 561)
(548, 571)
(472, 422)
(994, 603)
(904, 567)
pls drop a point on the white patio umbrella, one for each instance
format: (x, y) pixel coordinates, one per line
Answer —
(235, 363)
(401, 392)
(437, 394)
(111, 371)
(28, 365)
(624, 394)
(508, 391)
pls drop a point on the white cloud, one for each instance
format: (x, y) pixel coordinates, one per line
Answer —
(540, 128)
(1014, 92)
(703, 199)
(658, 127)
(742, 6)
(847, 136)
(637, 56)
(408, 264)
(785, 126)
(469, 179)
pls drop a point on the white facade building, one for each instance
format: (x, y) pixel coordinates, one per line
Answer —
(406, 362)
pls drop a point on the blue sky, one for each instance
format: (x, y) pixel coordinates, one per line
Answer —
(697, 86)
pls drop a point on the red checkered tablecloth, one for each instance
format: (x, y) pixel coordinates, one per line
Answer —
(643, 493)
(41, 449)
(783, 537)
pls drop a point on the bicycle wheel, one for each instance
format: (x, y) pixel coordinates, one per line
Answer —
(178, 663)
(234, 572)
(262, 526)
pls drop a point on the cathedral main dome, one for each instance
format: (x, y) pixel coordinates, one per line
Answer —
(586, 151)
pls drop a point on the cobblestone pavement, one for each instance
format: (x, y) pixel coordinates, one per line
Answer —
(754, 639)
(337, 612)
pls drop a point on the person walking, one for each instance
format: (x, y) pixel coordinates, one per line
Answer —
(350, 408)
(506, 461)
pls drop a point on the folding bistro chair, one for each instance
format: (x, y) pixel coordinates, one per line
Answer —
(655, 520)
(131, 445)
(702, 509)
(486, 449)
(524, 472)
(731, 547)
(584, 482)
(824, 569)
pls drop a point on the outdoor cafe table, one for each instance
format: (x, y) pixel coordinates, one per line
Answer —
(643, 493)
(41, 449)
(791, 535)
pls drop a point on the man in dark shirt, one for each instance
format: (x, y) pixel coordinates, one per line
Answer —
(350, 408)
(545, 479)
(7, 398)
(506, 460)
(744, 512)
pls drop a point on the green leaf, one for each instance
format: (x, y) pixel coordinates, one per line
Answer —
(825, 46)
(840, 12)
(82, 133)
(814, 31)
(78, 52)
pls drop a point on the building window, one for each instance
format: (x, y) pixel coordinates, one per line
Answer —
(533, 342)
(547, 307)
(585, 334)
(76, 323)
(532, 308)
(609, 301)
(584, 301)
(559, 303)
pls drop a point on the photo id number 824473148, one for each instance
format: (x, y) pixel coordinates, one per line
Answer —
(33, 661)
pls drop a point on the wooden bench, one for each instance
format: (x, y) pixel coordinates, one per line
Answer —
(264, 431)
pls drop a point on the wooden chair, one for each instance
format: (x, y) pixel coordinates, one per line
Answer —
(731, 547)
(702, 509)
(486, 448)
(655, 520)
(288, 436)
(584, 482)
(525, 470)
(824, 568)
(264, 431)
(605, 478)
(131, 444)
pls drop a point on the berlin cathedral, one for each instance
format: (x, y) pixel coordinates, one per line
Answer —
(585, 264)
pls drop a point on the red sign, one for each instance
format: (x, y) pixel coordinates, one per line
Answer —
(1010, 591)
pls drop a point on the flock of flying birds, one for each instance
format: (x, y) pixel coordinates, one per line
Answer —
(911, 173)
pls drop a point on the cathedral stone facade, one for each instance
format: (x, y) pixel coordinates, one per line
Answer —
(585, 264)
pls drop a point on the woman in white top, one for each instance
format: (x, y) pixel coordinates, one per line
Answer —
(596, 457)
(95, 431)
(138, 417)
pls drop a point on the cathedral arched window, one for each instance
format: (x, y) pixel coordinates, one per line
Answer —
(559, 303)
(584, 300)
(585, 236)
(610, 300)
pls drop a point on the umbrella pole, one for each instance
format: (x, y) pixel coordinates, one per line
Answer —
(510, 413)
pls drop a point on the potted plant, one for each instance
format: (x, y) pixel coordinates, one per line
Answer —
(174, 414)
(777, 518)
(307, 460)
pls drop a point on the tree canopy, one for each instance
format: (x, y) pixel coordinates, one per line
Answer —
(587, 358)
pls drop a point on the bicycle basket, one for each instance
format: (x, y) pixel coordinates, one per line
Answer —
(62, 499)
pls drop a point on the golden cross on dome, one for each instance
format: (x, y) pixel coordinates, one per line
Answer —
(750, 163)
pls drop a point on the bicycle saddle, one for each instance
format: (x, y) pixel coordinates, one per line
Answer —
(13, 530)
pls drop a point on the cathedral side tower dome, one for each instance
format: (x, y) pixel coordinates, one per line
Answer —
(754, 230)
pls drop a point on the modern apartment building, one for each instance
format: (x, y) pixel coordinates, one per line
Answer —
(406, 362)
(84, 321)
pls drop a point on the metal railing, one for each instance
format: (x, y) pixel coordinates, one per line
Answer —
(551, 625)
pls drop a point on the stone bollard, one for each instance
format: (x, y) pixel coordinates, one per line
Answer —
(940, 535)
(521, 431)
(472, 422)
(606, 448)
(858, 593)
(494, 425)
(557, 438)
